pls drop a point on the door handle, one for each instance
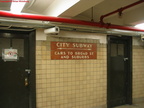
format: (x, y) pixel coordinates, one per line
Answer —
(125, 59)
(28, 71)
(26, 80)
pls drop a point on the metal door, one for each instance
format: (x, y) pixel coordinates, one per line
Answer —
(119, 72)
(14, 72)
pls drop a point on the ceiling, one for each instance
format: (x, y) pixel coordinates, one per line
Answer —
(89, 10)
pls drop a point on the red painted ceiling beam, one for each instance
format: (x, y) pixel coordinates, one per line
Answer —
(120, 10)
(66, 20)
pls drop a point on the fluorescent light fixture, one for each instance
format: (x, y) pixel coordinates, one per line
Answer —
(16, 7)
(140, 26)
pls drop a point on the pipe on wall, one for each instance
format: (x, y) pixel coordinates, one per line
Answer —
(66, 20)
(120, 10)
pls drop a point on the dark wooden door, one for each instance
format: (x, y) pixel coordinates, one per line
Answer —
(119, 71)
(14, 74)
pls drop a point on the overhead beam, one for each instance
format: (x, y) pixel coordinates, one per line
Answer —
(80, 7)
(56, 8)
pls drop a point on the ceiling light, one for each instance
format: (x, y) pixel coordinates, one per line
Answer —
(140, 26)
(16, 7)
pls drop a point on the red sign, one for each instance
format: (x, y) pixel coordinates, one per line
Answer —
(71, 50)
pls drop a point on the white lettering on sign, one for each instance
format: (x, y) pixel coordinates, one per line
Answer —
(80, 57)
(60, 53)
(81, 53)
(76, 45)
(62, 45)
(73, 50)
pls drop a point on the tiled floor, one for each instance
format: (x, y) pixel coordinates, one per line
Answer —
(141, 105)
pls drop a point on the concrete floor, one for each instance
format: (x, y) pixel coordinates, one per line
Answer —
(140, 105)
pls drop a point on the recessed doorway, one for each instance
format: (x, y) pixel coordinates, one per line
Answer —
(17, 68)
(119, 71)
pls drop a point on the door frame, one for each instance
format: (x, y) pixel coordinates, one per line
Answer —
(32, 43)
(129, 90)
